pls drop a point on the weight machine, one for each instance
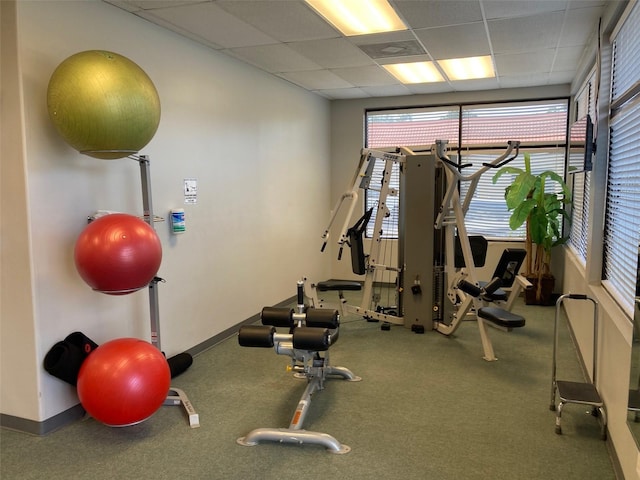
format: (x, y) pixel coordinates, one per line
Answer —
(430, 239)
(310, 334)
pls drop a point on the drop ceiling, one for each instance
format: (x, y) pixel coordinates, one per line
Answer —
(532, 42)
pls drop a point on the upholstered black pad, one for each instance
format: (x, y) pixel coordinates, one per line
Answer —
(315, 339)
(338, 285)
(256, 336)
(498, 295)
(277, 316)
(322, 318)
(501, 317)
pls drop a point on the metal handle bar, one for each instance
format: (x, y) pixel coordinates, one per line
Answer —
(455, 168)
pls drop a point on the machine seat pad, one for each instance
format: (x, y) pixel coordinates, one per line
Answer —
(501, 317)
(338, 285)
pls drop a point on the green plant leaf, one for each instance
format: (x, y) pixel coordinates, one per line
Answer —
(520, 214)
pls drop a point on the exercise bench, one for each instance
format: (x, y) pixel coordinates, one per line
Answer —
(311, 332)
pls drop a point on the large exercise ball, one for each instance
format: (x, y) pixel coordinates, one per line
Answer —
(123, 382)
(118, 254)
(103, 104)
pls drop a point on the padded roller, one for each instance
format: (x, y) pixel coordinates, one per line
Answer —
(256, 336)
(277, 316)
(470, 288)
(322, 318)
(315, 339)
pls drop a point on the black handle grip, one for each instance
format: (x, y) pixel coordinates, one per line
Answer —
(578, 296)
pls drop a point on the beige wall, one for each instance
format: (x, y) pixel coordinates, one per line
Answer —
(253, 142)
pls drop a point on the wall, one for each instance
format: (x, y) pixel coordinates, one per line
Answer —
(241, 133)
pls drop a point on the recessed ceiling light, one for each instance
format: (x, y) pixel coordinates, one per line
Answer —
(468, 68)
(359, 17)
(417, 72)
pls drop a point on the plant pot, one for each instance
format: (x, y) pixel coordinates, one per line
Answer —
(546, 295)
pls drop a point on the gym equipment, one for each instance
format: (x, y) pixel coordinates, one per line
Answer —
(440, 255)
(118, 254)
(311, 331)
(450, 220)
(103, 104)
(583, 393)
(123, 382)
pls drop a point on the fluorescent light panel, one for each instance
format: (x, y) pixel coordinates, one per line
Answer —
(359, 17)
(454, 68)
(417, 72)
(468, 68)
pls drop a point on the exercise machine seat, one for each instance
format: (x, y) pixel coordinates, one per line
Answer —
(501, 317)
(338, 285)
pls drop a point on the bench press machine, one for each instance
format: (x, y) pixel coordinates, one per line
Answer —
(311, 331)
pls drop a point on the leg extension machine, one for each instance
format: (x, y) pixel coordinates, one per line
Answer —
(310, 334)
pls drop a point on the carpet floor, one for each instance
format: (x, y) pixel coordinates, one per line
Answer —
(428, 407)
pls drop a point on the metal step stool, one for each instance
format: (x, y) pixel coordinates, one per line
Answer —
(584, 393)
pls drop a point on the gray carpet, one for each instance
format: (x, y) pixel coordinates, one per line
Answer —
(428, 407)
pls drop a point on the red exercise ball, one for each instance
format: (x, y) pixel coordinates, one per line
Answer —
(118, 254)
(123, 382)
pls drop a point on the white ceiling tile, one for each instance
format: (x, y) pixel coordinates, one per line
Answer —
(151, 4)
(456, 41)
(525, 63)
(520, 8)
(557, 78)
(366, 76)
(579, 26)
(426, 88)
(567, 59)
(212, 23)
(316, 80)
(343, 93)
(283, 20)
(124, 5)
(332, 53)
(531, 80)
(387, 90)
(149, 15)
(274, 58)
(529, 39)
(421, 13)
(476, 84)
(387, 37)
(525, 34)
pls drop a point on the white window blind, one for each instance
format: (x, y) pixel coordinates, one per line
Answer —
(622, 217)
(477, 133)
(405, 127)
(578, 236)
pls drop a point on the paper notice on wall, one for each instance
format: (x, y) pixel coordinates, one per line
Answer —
(190, 190)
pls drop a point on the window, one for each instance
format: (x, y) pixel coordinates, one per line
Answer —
(578, 236)
(622, 214)
(476, 133)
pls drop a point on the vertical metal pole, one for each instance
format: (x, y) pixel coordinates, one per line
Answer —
(147, 207)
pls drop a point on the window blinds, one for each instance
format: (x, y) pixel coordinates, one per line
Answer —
(477, 133)
(622, 216)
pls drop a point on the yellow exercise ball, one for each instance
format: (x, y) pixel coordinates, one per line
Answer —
(103, 104)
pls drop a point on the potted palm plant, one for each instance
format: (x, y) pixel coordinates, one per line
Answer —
(532, 199)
